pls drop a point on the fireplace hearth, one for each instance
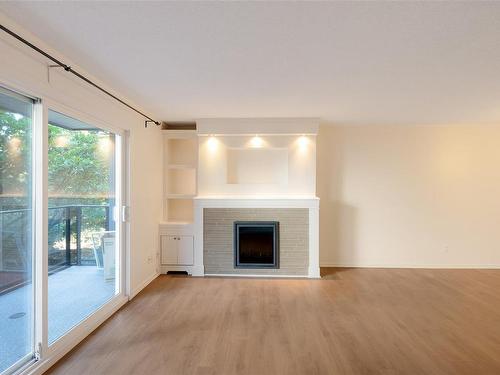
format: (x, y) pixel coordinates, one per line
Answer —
(256, 244)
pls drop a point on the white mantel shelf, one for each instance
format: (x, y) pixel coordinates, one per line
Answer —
(244, 201)
(264, 197)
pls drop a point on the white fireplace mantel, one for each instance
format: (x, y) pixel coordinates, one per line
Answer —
(309, 202)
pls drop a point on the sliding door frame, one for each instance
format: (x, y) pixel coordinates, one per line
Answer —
(29, 359)
(44, 356)
(40, 207)
(88, 324)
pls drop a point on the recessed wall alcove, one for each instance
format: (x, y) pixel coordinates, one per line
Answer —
(257, 157)
(257, 166)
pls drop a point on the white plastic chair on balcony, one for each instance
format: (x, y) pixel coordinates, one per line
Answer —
(104, 252)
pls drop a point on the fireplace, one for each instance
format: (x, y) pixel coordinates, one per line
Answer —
(256, 244)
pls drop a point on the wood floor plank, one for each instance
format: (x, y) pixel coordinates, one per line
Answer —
(352, 321)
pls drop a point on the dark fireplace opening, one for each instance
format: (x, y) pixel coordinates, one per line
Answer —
(256, 244)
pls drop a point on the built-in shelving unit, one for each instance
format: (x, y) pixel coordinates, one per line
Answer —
(180, 187)
(181, 159)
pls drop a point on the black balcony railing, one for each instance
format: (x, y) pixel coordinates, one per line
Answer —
(67, 247)
(66, 223)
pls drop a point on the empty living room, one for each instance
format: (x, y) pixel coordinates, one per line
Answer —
(249, 187)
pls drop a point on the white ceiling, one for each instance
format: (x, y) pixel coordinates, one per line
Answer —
(346, 62)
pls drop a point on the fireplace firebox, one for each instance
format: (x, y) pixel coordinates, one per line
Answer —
(256, 244)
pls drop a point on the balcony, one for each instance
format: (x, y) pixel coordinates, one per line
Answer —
(76, 285)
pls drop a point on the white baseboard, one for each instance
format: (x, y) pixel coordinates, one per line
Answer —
(198, 271)
(314, 273)
(191, 270)
(144, 284)
(259, 276)
(416, 266)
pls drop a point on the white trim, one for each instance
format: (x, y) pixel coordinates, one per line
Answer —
(198, 270)
(321, 265)
(40, 207)
(164, 268)
(78, 333)
(414, 266)
(120, 269)
(313, 271)
(261, 126)
(256, 276)
(191, 270)
(144, 284)
(238, 201)
(198, 265)
(126, 262)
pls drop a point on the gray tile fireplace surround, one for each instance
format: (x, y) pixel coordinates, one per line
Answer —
(218, 252)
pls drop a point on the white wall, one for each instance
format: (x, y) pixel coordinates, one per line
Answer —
(146, 197)
(23, 70)
(424, 196)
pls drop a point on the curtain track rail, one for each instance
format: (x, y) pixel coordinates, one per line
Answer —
(69, 69)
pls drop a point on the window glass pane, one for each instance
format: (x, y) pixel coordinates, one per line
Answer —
(16, 251)
(82, 247)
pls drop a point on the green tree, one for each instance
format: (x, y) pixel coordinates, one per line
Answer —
(77, 166)
(15, 155)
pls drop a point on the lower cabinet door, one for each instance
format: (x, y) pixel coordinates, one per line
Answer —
(185, 250)
(169, 249)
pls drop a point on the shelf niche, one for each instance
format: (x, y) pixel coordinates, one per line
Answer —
(182, 152)
(180, 210)
(180, 180)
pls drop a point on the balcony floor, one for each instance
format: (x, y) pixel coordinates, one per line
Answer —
(74, 293)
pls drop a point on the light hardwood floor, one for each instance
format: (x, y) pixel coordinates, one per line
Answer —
(353, 321)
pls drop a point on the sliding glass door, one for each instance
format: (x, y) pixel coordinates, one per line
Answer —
(16, 231)
(60, 240)
(82, 232)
